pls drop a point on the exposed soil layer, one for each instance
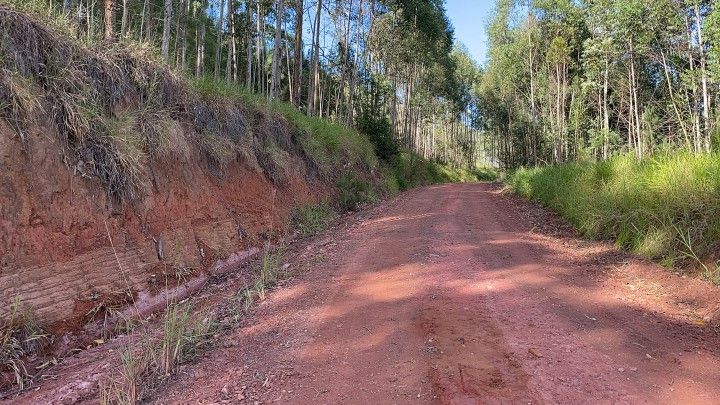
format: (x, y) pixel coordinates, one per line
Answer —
(457, 294)
(71, 254)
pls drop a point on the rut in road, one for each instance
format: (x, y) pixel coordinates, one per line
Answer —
(464, 294)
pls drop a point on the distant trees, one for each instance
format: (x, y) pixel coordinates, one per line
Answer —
(574, 80)
(388, 61)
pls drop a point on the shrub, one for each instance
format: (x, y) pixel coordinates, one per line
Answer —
(408, 170)
(378, 130)
(354, 192)
(485, 174)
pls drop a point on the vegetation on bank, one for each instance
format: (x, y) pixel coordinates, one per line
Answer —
(116, 107)
(665, 207)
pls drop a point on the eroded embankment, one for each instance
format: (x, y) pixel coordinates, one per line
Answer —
(120, 179)
(68, 251)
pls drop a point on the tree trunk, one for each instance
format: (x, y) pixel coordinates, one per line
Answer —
(277, 48)
(606, 113)
(636, 109)
(218, 47)
(695, 117)
(681, 123)
(298, 57)
(353, 71)
(145, 21)
(200, 58)
(704, 80)
(167, 22)
(248, 45)
(259, 46)
(109, 19)
(229, 73)
(124, 22)
(312, 92)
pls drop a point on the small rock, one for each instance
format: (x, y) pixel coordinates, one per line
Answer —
(620, 369)
(535, 352)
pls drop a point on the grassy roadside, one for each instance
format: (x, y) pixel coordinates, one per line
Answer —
(665, 208)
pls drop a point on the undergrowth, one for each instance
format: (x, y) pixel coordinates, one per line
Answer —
(354, 192)
(310, 219)
(407, 170)
(116, 107)
(665, 208)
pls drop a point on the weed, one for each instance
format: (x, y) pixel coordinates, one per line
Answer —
(711, 272)
(270, 266)
(144, 364)
(248, 299)
(310, 219)
(259, 289)
(218, 149)
(127, 146)
(17, 101)
(21, 336)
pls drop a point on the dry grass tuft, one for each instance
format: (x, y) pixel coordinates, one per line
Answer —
(151, 359)
(21, 337)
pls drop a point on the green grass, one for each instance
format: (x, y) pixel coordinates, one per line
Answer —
(311, 219)
(354, 192)
(334, 147)
(666, 207)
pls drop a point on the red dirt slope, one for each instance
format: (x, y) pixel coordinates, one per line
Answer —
(56, 225)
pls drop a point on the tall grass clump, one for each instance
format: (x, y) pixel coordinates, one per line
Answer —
(145, 363)
(666, 207)
(354, 192)
(21, 337)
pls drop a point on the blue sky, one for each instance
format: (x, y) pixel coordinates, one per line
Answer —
(469, 17)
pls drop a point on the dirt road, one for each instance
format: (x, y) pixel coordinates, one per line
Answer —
(463, 294)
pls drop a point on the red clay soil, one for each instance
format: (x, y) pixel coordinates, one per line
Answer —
(463, 294)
